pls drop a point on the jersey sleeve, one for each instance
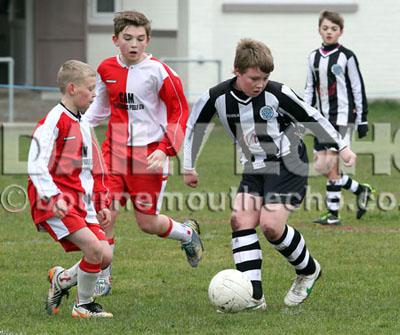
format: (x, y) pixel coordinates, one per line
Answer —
(309, 92)
(40, 152)
(171, 92)
(358, 89)
(100, 109)
(201, 115)
(309, 117)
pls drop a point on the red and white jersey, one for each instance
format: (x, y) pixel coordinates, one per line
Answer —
(64, 161)
(145, 103)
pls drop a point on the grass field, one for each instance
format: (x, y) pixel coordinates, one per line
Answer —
(156, 292)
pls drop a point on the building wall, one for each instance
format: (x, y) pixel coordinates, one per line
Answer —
(164, 18)
(372, 33)
(205, 31)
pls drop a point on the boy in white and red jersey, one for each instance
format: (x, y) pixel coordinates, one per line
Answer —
(147, 110)
(68, 193)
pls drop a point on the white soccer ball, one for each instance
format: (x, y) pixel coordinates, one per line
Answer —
(230, 291)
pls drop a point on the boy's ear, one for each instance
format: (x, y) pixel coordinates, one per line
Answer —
(115, 40)
(70, 88)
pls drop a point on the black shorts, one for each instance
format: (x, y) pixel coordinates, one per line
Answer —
(282, 182)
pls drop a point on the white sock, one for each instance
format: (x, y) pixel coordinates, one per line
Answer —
(87, 282)
(177, 231)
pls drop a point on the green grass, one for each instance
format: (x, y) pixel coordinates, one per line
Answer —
(156, 292)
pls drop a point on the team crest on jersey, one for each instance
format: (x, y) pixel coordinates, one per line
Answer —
(267, 113)
(336, 69)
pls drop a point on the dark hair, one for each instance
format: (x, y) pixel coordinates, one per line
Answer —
(131, 18)
(334, 17)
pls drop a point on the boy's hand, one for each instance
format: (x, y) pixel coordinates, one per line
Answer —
(155, 161)
(362, 130)
(348, 157)
(104, 217)
(60, 208)
(190, 178)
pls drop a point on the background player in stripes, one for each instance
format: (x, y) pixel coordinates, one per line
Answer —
(67, 186)
(147, 110)
(261, 117)
(335, 86)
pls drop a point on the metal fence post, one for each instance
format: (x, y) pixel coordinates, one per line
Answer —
(10, 62)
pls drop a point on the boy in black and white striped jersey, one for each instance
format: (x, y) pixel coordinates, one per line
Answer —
(261, 117)
(336, 88)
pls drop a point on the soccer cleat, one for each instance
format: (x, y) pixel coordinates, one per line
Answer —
(90, 310)
(328, 219)
(103, 286)
(194, 248)
(363, 198)
(302, 287)
(54, 297)
(256, 304)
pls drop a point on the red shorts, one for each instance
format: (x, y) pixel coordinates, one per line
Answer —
(129, 178)
(59, 229)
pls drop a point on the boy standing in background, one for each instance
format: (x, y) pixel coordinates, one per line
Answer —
(336, 88)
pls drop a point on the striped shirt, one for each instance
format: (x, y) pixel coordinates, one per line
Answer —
(260, 126)
(335, 85)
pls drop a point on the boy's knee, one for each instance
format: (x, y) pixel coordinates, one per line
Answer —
(236, 222)
(95, 253)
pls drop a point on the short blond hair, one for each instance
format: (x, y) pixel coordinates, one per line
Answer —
(73, 71)
(253, 53)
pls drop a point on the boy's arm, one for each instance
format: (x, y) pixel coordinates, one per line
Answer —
(360, 98)
(171, 93)
(101, 191)
(202, 113)
(310, 118)
(309, 92)
(40, 151)
(100, 109)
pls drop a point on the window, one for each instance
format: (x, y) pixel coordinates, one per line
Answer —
(101, 12)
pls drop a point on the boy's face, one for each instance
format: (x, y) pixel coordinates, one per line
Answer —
(330, 32)
(83, 94)
(251, 82)
(132, 42)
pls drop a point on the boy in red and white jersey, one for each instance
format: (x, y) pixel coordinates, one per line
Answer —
(68, 193)
(147, 110)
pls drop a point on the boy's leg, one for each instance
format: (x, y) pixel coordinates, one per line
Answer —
(290, 244)
(363, 193)
(187, 233)
(119, 197)
(328, 164)
(147, 191)
(88, 272)
(246, 249)
(103, 285)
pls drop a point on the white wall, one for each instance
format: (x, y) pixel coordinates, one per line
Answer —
(373, 33)
(163, 15)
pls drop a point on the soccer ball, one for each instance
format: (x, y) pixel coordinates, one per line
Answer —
(230, 291)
